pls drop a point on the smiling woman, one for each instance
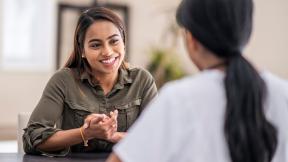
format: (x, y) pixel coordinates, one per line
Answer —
(89, 104)
(104, 50)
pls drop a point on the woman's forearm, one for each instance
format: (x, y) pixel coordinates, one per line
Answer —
(97, 127)
(61, 140)
(66, 138)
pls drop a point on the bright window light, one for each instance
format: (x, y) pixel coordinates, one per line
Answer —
(28, 34)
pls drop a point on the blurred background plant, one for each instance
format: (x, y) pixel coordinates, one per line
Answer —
(164, 64)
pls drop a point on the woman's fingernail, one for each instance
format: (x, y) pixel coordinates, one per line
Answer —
(85, 125)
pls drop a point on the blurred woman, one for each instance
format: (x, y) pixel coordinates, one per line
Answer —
(229, 112)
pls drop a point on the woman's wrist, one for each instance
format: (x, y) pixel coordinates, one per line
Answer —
(84, 139)
(87, 134)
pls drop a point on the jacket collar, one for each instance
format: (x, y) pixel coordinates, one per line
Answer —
(123, 78)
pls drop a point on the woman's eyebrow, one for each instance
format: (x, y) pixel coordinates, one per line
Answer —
(94, 40)
(99, 40)
(114, 35)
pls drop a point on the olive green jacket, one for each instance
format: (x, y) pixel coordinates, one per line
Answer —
(70, 96)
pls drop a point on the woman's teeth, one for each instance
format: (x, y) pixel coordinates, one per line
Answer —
(108, 61)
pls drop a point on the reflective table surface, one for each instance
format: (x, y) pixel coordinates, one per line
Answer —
(75, 157)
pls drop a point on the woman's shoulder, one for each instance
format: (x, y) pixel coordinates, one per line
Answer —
(63, 74)
(139, 72)
(199, 82)
(195, 93)
(275, 84)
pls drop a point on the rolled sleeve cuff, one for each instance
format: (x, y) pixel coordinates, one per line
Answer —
(35, 134)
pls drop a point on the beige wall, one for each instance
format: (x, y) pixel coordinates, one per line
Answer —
(269, 44)
(20, 91)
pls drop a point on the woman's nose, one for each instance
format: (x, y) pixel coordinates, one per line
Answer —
(107, 51)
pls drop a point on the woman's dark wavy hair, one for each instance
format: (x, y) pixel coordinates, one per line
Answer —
(224, 27)
(86, 19)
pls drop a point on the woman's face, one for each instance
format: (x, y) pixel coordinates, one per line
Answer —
(104, 48)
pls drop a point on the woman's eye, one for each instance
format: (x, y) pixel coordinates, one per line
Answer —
(114, 41)
(95, 45)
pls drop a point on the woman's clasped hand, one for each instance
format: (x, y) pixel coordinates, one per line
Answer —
(101, 126)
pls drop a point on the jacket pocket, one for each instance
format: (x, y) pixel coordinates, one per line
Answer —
(127, 114)
(76, 114)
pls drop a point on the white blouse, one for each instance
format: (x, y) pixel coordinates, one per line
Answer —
(185, 123)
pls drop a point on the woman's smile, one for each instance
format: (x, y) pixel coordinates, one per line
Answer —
(109, 61)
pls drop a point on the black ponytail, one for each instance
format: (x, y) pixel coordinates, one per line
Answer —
(224, 27)
(250, 137)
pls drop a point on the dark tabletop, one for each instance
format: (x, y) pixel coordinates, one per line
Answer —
(83, 157)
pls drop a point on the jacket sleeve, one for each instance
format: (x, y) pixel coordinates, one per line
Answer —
(150, 90)
(48, 111)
